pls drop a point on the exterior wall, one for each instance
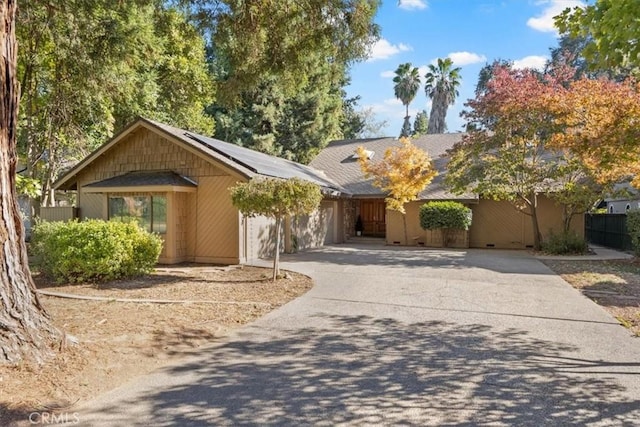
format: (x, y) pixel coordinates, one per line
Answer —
(319, 228)
(494, 225)
(500, 225)
(217, 222)
(258, 238)
(415, 233)
(204, 225)
(620, 206)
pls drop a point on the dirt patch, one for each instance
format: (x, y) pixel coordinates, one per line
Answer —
(615, 285)
(122, 340)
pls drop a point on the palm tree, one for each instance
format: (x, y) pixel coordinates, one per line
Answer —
(407, 83)
(442, 87)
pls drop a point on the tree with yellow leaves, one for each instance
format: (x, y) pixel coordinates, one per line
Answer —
(403, 173)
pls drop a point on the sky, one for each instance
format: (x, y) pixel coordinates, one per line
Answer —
(470, 32)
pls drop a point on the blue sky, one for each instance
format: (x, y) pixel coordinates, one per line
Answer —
(470, 32)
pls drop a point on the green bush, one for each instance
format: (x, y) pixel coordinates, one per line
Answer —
(447, 215)
(565, 243)
(94, 250)
(633, 228)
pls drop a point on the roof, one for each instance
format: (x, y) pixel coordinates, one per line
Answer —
(246, 162)
(140, 179)
(339, 164)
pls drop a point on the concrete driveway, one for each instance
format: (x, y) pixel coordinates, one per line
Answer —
(404, 336)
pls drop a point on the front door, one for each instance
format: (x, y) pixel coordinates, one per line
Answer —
(373, 217)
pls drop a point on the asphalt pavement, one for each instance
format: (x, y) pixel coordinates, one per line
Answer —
(393, 335)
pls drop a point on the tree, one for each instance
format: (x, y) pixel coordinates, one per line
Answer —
(599, 118)
(89, 67)
(442, 81)
(403, 173)
(282, 38)
(611, 30)
(26, 331)
(407, 83)
(421, 123)
(277, 199)
(507, 155)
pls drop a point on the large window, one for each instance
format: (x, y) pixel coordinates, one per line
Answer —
(150, 212)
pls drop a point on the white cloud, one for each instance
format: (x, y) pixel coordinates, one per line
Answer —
(533, 61)
(412, 4)
(544, 22)
(388, 74)
(466, 58)
(384, 50)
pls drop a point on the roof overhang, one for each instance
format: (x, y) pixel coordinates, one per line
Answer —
(143, 182)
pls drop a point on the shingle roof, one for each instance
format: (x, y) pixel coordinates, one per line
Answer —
(138, 179)
(339, 164)
(243, 160)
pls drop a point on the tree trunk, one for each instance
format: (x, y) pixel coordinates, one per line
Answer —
(25, 329)
(276, 256)
(438, 116)
(537, 241)
(404, 223)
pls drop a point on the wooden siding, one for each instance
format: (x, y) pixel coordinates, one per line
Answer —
(500, 225)
(415, 233)
(218, 222)
(145, 150)
(58, 213)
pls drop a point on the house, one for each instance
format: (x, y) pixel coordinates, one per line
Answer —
(623, 198)
(495, 224)
(176, 183)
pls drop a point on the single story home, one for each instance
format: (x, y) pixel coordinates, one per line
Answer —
(495, 224)
(176, 183)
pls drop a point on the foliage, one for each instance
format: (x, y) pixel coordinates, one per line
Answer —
(403, 173)
(295, 127)
(507, 156)
(89, 67)
(406, 85)
(277, 199)
(453, 215)
(441, 85)
(599, 122)
(565, 243)
(446, 216)
(633, 228)
(94, 250)
(421, 123)
(283, 38)
(610, 28)
(28, 186)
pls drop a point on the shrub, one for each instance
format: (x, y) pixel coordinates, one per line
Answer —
(94, 250)
(633, 228)
(446, 216)
(565, 243)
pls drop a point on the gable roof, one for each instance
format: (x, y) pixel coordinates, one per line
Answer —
(337, 160)
(245, 162)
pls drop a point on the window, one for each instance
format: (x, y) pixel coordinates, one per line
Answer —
(150, 212)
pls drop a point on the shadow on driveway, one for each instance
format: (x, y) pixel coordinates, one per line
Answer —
(408, 258)
(362, 370)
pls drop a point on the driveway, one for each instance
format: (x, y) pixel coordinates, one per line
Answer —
(404, 336)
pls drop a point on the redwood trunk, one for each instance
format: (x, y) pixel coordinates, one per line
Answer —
(25, 329)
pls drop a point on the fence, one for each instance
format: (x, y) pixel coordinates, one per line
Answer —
(58, 213)
(608, 230)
